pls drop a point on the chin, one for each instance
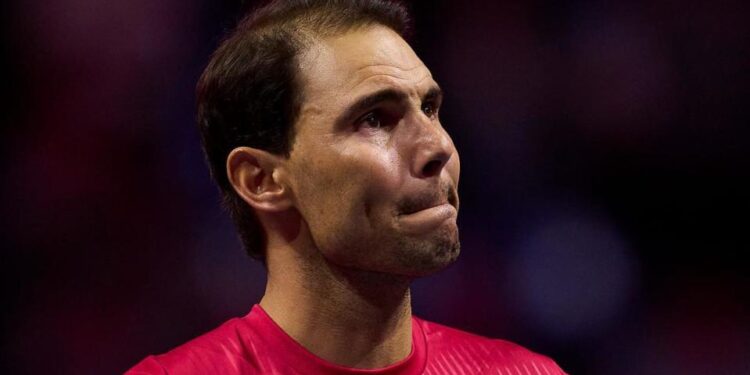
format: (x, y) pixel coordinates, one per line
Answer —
(422, 258)
(398, 254)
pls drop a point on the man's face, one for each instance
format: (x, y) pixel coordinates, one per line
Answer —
(373, 173)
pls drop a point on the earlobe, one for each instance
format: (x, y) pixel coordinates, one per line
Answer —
(252, 173)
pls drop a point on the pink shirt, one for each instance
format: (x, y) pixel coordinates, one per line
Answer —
(254, 344)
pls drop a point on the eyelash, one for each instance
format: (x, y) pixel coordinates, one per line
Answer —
(432, 107)
(371, 117)
(374, 119)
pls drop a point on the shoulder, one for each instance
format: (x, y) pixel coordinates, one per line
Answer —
(221, 350)
(485, 352)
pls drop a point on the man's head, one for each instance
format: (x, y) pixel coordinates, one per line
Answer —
(321, 109)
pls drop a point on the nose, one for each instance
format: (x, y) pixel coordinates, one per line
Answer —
(433, 149)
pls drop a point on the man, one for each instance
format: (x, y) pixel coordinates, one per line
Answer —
(322, 128)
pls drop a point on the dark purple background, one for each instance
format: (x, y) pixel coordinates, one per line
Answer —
(604, 212)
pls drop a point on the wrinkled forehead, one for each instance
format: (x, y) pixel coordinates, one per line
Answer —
(359, 60)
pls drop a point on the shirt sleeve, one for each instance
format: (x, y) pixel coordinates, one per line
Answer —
(148, 366)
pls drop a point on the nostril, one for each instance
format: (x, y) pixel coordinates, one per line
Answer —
(432, 168)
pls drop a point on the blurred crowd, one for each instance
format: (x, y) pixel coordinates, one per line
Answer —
(604, 208)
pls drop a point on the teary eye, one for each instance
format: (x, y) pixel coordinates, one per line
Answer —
(429, 109)
(371, 120)
(379, 119)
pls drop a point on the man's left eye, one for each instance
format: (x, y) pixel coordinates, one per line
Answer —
(429, 109)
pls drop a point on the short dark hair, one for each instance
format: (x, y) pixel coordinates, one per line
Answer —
(249, 94)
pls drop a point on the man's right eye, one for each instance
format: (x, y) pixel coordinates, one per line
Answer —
(371, 120)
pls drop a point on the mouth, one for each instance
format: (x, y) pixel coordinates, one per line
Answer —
(429, 219)
(445, 198)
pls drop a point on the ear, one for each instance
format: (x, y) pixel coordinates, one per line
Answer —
(254, 175)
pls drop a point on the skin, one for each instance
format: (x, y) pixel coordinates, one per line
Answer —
(365, 202)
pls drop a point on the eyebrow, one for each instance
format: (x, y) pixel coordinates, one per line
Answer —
(385, 95)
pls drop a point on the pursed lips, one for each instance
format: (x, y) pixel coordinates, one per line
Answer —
(427, 207)
(428, 201)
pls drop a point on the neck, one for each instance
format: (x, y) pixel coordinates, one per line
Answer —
(348, 317)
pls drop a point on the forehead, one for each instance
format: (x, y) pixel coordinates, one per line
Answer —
(357, 62)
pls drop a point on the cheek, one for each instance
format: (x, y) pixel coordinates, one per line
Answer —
(454, 167)
(346, 186)
(377, 171)
(348, 199)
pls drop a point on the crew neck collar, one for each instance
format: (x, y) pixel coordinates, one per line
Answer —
(285, 349)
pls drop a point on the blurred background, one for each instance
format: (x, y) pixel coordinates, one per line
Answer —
(604, 148)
